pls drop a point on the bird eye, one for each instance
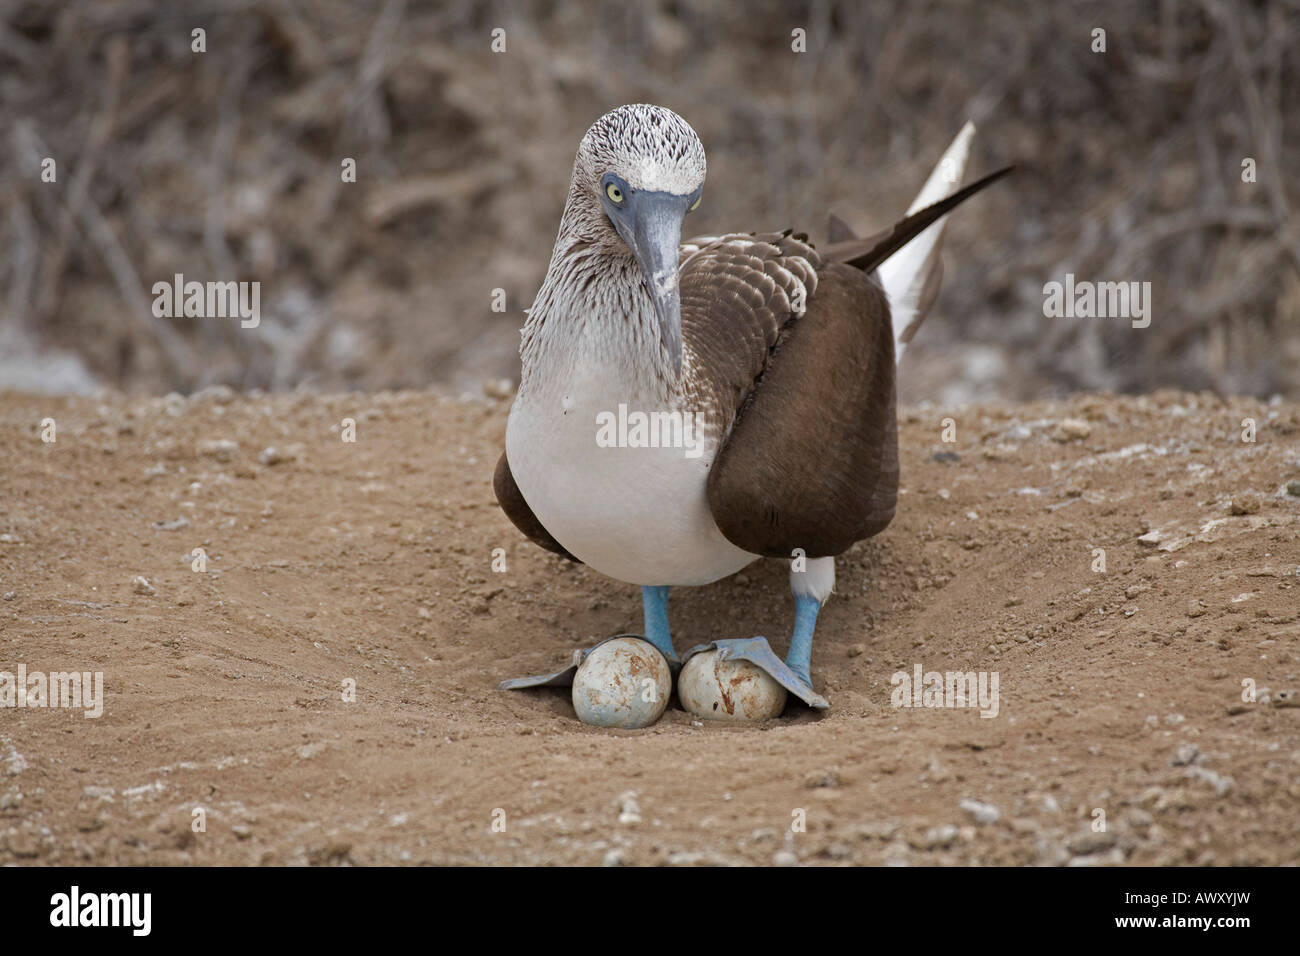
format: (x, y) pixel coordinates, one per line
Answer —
(614, 193)
(696, 205)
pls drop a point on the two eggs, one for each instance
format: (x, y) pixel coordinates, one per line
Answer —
(625, 682)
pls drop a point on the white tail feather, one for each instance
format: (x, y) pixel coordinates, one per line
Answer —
(903, 274)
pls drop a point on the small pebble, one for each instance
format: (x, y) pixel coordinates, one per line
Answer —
(629, 812)
(982, 813)
(1072, 429)
(937, 838)
(1247, 503)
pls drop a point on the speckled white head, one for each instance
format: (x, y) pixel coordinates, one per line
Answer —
(650, 147)
(638, 172)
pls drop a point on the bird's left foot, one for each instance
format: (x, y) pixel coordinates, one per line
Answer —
(741, 679)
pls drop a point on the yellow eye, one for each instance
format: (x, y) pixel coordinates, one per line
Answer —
(696, 205)
(614, 193)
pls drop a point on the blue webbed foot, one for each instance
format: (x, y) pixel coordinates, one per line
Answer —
(759, 652)
(561, 678)
(794, 673)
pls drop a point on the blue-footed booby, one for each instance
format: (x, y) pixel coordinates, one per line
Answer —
(751, 377)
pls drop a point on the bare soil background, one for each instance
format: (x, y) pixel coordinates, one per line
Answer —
(1120, 691)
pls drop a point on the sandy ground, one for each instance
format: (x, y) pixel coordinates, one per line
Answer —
(1120, 691)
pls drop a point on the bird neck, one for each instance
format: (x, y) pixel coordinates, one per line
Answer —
(594, 310)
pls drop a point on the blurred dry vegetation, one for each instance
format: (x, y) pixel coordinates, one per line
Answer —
(226, 165)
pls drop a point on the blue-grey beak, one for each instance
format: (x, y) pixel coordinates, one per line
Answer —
(652, 228)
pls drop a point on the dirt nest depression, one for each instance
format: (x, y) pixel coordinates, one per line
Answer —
(1123, 692)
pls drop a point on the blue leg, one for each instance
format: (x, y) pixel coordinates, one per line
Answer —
(799, 659)
(654, 601)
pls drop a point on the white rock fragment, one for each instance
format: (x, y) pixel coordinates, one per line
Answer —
(1069, 429)
(982, 813)
(940, 837)
(1221, 783)
(629, 812)
(14, 762)
(1151, 539)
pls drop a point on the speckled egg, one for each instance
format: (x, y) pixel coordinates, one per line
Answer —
(715, 689)
(622, 683)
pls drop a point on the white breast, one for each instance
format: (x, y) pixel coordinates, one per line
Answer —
(637, 514)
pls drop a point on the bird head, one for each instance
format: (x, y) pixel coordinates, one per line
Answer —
(641, 169)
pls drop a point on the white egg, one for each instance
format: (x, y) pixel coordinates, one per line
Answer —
(716, 689)
(622, 683)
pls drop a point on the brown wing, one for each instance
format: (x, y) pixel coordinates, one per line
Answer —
(812, 458)
(512, 503)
